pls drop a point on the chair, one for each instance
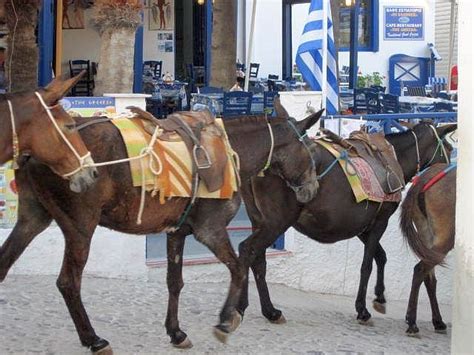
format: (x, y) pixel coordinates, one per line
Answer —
(378, 88)
(443, 95)
(437, 84)
(372, 102)
(360, 103)
(240, 66)
(86, 85)
(153, 67)
(390, 103)
(416, 91)
(268, 101)
(210, 90)
(236, 103)
(443, 107)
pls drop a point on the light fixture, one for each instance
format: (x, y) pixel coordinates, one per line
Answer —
(348, 2)
(200, 2)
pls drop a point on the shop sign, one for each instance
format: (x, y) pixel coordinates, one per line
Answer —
(88, 106)
(403, 23)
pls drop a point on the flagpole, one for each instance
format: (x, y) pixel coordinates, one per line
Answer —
(250, 49)
(324, 54)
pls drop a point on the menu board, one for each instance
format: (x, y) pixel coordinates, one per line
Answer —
(403, 23)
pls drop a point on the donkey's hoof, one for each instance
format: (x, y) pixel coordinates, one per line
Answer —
(279, 320)
(367, 322)
(413, 331)
(236, 321)
(441, 331)
(221, 333)
(185, 344)
(379, 307)
(101, 347)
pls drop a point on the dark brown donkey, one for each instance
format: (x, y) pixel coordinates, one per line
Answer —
(427, 223)
(45, 131)
(113, 202)
(333, 215)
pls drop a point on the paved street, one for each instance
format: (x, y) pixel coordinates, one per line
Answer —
(130, 314)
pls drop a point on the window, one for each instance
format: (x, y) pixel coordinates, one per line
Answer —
(368, 25)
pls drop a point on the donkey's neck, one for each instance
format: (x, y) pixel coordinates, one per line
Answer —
(405, 148)
(252, 144)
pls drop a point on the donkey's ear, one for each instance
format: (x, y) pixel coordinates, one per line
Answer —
(445, 129)
(59, 87)
(309, 121)
(279, 109)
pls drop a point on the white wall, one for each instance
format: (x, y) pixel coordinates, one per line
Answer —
(268, 37)
(370, 62)
(332, 269)
(85, 44)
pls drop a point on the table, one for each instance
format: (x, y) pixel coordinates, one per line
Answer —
(169, 95)
(421, 103)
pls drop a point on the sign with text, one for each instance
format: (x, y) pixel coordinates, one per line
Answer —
(88, 106)
(403, 23)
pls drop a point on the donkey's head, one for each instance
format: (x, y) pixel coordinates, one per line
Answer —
(292, 159)
(39, 127)
(433, 147)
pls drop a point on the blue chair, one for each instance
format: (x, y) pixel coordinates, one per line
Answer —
(210, 90)
(201, 102)
(390, 103)
(236, 103)
(443, 95)
(372, 102)
(443, 107)
(268, 101)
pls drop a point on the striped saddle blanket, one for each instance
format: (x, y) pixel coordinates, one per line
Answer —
(169, 172)
(361, 177)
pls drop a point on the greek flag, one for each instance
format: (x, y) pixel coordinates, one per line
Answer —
(309, 57)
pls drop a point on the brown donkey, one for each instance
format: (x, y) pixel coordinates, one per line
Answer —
(113, 202)
(34, 124)
(427, 222)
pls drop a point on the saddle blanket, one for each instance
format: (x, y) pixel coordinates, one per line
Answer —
(174, 164)
(362, 178)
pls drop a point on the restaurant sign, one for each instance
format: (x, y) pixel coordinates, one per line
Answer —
(403, 23)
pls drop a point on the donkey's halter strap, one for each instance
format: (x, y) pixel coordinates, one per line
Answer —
(15, 142)
(82, 160)
(270, 155)
(417, 153)
(439, 146)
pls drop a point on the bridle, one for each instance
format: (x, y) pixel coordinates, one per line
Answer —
(302, 139)
(439, 146)
(84, 161)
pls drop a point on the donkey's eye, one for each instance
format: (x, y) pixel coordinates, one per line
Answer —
(70, 126)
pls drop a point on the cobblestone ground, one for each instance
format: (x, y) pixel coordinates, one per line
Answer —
(130, 314)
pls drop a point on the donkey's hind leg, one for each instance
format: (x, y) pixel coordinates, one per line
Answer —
(212, 233)
(430, 283)
(380, 302)
(174, 280)
(32, 220)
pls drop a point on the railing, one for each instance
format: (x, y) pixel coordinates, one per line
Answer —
(391, 120)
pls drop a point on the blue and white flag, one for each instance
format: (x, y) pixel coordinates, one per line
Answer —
(309, 57)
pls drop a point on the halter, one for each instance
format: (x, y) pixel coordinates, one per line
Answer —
(439, 146)
(16, 145)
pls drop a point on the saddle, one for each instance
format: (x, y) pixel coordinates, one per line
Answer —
(204, 138)
(377, 152)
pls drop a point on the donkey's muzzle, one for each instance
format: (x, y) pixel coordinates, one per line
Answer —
(84, 178)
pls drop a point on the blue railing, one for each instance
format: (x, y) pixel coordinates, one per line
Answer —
(391, 120)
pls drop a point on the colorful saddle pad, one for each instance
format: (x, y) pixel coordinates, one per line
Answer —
(173, 163)
(361, 177)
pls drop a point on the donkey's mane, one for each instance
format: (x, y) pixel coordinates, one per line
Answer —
(249, 123)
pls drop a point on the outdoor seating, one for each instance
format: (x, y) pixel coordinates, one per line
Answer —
(437, 84)
(153, 68)
(360, 102)
(268, 101)
(390, 103)
(378, 88)
(372, 102)
(236, 103)
(416, 91)
(443, 107)
(86, 85)
(210, 90)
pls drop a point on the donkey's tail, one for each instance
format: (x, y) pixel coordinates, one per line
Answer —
(416, 229)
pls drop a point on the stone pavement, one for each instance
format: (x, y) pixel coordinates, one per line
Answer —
(130, 314)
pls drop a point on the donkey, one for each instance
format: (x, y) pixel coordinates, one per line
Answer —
(33, 124)
(113, 202)
(333, 215)
(427, 221)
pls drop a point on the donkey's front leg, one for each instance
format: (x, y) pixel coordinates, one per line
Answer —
(174, 279)
(32, 220)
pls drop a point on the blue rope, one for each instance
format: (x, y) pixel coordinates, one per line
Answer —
(343, 156)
